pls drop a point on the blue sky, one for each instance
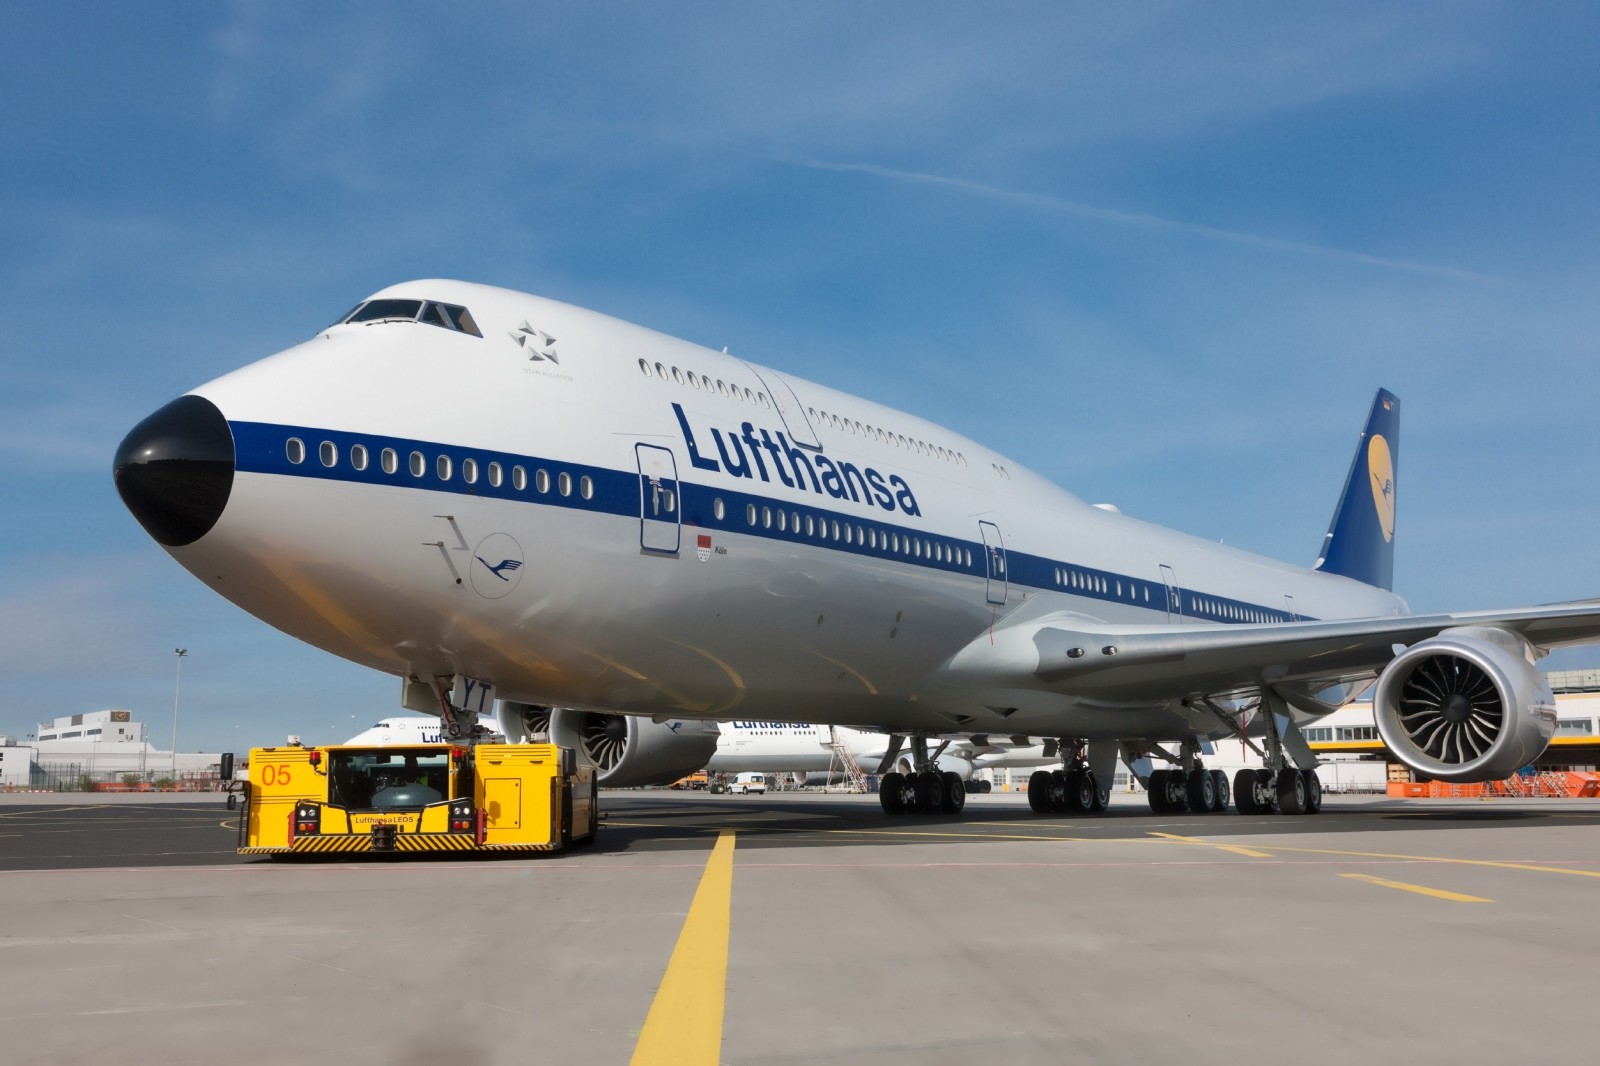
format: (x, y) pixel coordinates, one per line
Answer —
(1163, 253)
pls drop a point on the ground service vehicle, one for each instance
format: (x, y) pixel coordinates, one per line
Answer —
(417, 797)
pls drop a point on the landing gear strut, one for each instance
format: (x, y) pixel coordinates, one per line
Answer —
(1289, 783)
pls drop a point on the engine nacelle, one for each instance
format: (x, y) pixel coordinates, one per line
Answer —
(519, 723)
(630, 751)
(1467, 705)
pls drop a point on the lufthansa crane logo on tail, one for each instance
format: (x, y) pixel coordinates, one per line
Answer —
(1380, 468)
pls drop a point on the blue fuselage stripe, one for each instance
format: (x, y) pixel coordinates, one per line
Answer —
(262, 448)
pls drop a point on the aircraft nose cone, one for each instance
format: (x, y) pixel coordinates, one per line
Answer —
(174, 470)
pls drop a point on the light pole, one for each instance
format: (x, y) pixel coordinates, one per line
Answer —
(177, 687)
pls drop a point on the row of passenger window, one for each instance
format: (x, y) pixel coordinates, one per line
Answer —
(886, 540)
(844, 425)
(885, 436)
(1233, 612)
(1083, 581)
(444, 468)
(703, 381)
(1138, 591)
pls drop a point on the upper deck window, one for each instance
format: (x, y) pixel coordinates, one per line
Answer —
(446, 316)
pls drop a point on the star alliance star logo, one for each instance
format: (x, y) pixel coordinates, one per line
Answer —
(538, 344)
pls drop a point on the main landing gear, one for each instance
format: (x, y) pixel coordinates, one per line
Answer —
(1285, 791)
(926, 790)
(1074, 789)
(1199, 790)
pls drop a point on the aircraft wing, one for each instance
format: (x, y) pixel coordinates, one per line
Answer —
(1071, 653)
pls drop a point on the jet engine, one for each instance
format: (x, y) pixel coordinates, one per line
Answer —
(1467, 705)
(519, 723)
(630, 751)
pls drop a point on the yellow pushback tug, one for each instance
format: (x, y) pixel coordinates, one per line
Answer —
(417, 797)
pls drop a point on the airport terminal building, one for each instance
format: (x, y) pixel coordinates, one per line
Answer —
(103, 748)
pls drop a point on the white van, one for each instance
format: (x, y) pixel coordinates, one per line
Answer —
(748, 783)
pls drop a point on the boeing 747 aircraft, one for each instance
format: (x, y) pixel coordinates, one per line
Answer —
(484, 492)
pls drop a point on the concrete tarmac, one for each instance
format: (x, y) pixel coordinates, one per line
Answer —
(1393, 931)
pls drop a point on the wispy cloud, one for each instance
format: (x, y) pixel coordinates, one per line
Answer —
(1114, 216)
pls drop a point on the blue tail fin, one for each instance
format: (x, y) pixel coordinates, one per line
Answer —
(1360, 542)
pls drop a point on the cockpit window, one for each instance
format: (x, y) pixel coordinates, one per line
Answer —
(386, 311)
(446, 316)
(450, 316)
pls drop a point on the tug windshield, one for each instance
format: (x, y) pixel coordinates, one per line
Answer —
(389, 778)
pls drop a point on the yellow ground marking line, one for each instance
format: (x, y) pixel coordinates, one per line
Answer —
(685, 1020)
(1493, 863)
(1176, 839)
(1421, 890)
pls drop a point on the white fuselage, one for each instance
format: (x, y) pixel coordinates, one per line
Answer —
(584, 527)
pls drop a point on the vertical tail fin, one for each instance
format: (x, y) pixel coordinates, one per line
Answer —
(1360, 542)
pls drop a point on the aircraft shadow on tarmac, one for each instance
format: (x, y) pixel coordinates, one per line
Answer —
(642, 821)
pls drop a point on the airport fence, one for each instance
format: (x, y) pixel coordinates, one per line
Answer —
(83, 777)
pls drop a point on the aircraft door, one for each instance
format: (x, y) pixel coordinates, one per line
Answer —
(1288, 605)
(790, 410)
(1174, 600)
(659, 513)
(994, 554)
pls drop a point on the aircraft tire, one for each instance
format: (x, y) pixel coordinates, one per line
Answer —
(1102, 794)
(890, 794)
(1291, 789)
(955, 793)
(1244, 792)
(1039, 791)
(1313, 791)
(1219, 782)
(1081, 791)
(930, 792)
(1156, 791)
(1200, 791)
